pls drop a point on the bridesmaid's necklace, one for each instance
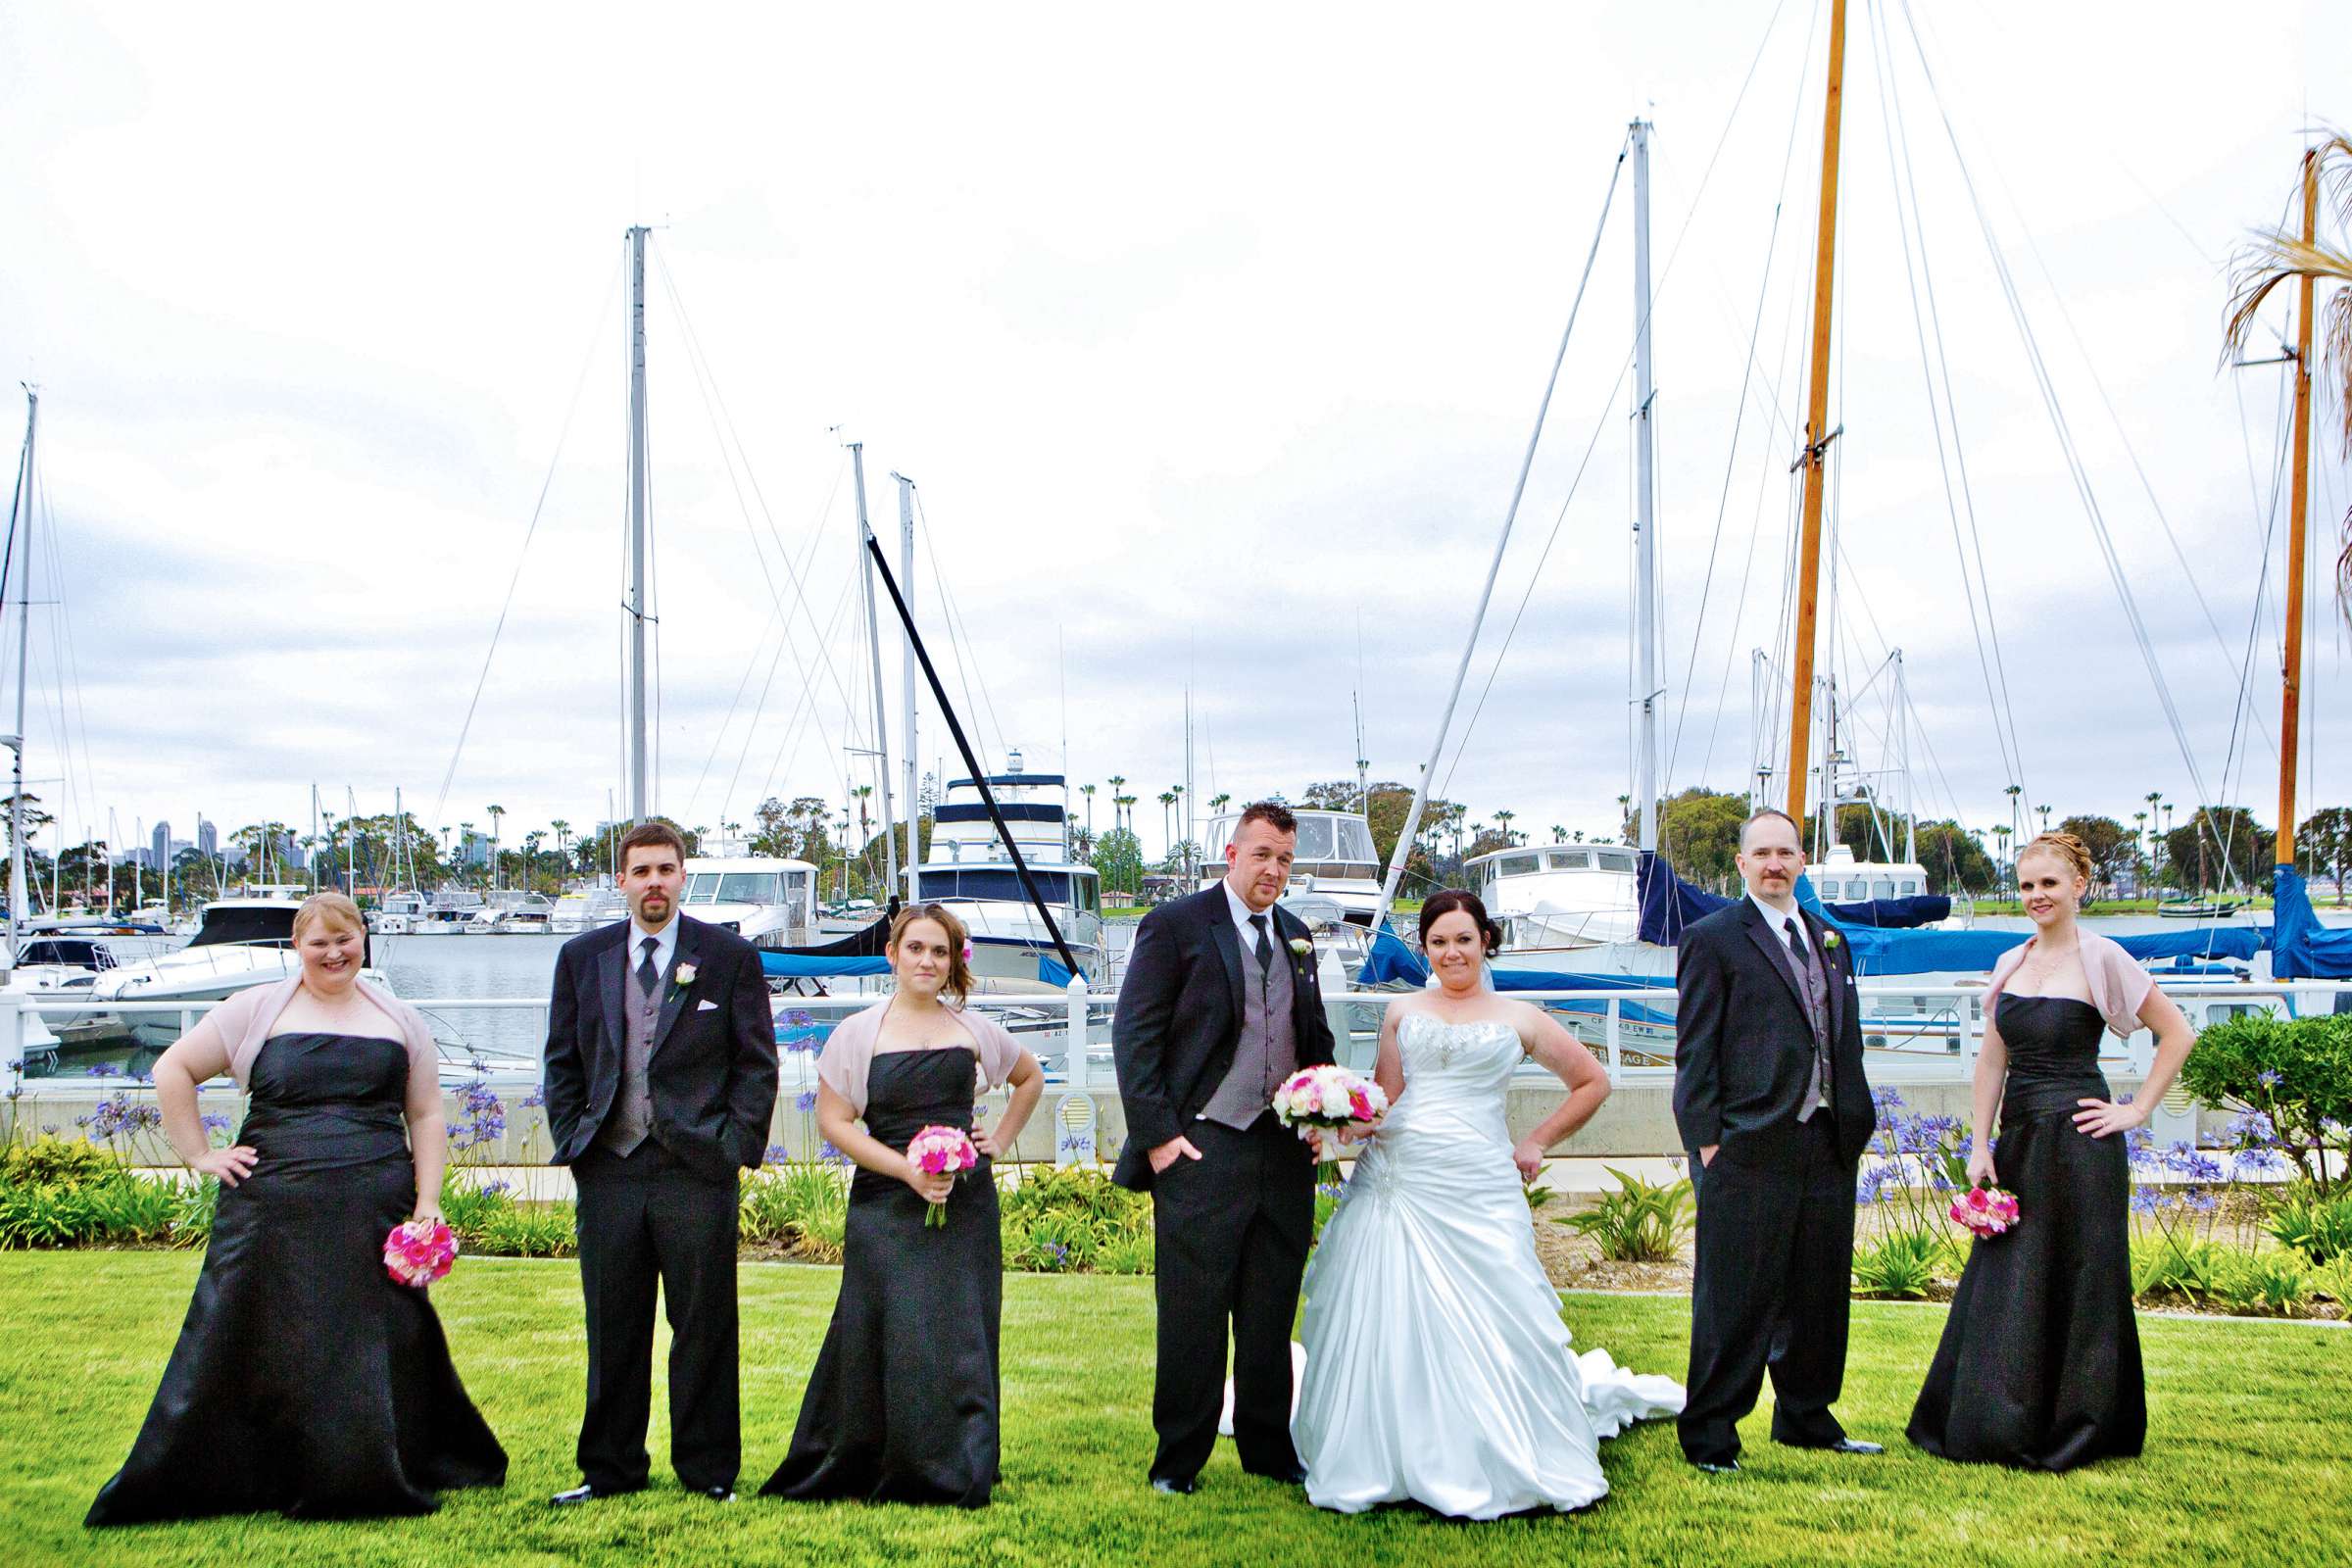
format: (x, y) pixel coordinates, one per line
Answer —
(2045, 960)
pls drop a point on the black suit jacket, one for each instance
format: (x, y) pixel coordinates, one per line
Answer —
(712, 1070)
(1180, 1018)
(1743, 1046)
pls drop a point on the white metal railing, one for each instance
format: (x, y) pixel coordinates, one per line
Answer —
(1077, 1022)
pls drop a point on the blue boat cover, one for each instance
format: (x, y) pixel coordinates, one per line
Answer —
(823, 967)
(2302, 948)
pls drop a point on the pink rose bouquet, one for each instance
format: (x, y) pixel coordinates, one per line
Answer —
(1324, 1100)
(942, 1152)
(1984, 1211)
(420, 1252)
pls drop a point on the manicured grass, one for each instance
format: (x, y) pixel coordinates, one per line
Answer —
(2250, 1457)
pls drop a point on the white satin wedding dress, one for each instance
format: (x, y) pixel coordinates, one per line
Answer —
(1438, 1368)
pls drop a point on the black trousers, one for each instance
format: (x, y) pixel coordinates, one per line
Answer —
(1232, 1231)
(1775, 1259)
(644, 1220)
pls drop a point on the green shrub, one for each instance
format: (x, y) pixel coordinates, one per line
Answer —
(469, 1205)
(2270, 1283)
(2296, 1072)
(2333, 1281)
(2311, 1222)
(131, 1209)
(1642, 1222)
(1902, 1263)
(44, 1214)
(1130, 1252)
(2163, 1271)
(1537, 1194)
(61, 1163)
(526, 1230)
(193, 1226)
(799, 1203)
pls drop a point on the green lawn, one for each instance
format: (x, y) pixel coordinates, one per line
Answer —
(2250, 1455)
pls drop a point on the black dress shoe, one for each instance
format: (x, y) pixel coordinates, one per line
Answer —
(1174, 1487)
(1854, 1446)
(714, 1493)
(1295, 1476)
(588, 1491)
(1729, 1467)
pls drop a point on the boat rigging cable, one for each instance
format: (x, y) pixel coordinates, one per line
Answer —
(1412, 820)
(1412, 817)
(515, 580)
(960, 634)
(2077, 469)
(731, 449)
(963, 747)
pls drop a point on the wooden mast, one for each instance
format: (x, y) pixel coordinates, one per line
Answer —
(2291, 722)
(1817, 433)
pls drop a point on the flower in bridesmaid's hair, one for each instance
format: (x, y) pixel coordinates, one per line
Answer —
(420, 1252)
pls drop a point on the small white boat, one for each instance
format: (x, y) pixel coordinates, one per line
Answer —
(242, 942)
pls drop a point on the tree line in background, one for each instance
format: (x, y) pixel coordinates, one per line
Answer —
(2215, 850)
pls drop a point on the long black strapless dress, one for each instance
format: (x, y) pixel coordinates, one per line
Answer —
(305, 1380)
(902, 1406)
(2039, 1364)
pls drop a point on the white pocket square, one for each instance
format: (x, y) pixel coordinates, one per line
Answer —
(706, 1006)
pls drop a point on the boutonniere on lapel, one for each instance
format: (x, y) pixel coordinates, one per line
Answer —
(1301, 947)
(680, 979)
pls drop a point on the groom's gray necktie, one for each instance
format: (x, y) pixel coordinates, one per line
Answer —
(1816, 985)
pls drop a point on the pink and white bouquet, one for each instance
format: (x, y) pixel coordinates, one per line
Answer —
(942, 1152)
(1984, 1211)
(420, 1252)
(1323, 1100)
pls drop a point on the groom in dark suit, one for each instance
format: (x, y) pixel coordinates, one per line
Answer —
(1772, 1105)
(1219, 1006)
(660, 1083)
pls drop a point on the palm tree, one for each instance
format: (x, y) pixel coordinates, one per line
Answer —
(1167, 818)
(1087, 790)
(1125, 806)
(1118, 804)
(2271, 256)
(1504, 817)
(496, 811)
(531, 857)
(2045, 818)
(562, 852)
(1559, 834)
(2001, 833)
(861, 794)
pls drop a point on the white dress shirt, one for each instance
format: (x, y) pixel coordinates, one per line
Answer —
(1794, 938)
(665, 943)
(1241, 914)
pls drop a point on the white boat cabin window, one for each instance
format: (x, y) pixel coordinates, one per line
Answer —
(1314, 839)
(1882, 887)
(1520, 864)
(734, 887)
(1615, 859)
(1568, 860)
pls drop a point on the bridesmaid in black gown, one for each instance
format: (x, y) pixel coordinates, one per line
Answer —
(2039, 1363)
(305, 1379)
(903, 1404)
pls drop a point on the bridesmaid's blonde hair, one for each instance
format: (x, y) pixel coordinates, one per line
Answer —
(332, 909)
(2068, 848)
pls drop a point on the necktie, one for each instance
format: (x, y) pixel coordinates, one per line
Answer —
(1263, 948)
(649, 974)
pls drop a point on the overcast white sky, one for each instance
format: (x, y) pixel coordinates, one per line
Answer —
(1211, 337)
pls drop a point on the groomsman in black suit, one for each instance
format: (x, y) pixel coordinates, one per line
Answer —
(660, 1083)
(1217, 1009)
(1772, 1105)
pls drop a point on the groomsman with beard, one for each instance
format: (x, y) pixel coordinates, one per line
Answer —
(1217, 1010)
(1771, 1102)
(660, 1083)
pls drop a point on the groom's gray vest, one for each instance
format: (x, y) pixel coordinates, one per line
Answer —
(1267, 1052)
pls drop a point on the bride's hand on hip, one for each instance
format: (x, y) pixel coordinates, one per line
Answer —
(1529, 1157)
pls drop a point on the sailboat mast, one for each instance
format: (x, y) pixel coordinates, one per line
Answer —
(1646, 535)
(915, 850)
(639, 804)
(2291, 722)
(17, 895)
(1817, 431)
(873, 643)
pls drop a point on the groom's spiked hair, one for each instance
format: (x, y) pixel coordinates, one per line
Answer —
(1273, 814)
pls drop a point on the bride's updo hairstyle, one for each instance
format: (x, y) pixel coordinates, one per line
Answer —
(1449, 899)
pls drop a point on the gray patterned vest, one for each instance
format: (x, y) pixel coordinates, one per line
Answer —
(1267, 1052)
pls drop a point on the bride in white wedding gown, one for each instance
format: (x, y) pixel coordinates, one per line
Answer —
(1438, 1368)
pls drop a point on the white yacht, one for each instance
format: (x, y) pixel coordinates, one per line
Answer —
(769, 901)
(967, 869)
(242, 942)
(1335, 861)
(576, 912)
(396, 915)
(1552, 898)
(446, 915)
